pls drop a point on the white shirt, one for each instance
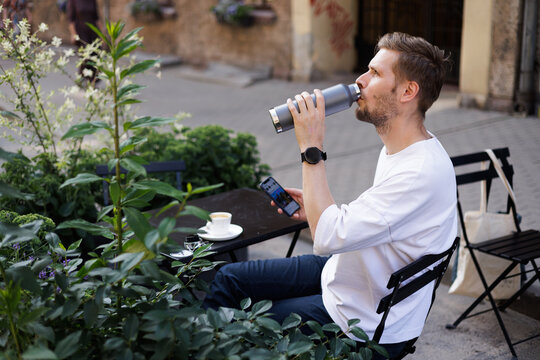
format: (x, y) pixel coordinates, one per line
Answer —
(410, 211)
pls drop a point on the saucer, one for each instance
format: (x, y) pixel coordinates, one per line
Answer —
(232, 232)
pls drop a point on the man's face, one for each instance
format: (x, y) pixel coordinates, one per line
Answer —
(378, 102)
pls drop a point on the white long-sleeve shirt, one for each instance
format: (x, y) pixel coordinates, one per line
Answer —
(410, 211)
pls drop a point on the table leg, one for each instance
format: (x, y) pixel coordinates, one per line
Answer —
(233, 256)
(293, 243)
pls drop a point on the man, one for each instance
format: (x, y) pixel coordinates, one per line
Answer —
(80, 13)
(409, 211)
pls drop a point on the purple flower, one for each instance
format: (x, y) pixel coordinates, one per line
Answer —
(16, 246)
(43, 274)
(232, 9)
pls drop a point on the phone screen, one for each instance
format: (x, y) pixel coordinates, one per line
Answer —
(280, 196)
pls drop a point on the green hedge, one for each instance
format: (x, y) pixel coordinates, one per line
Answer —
(212, 155)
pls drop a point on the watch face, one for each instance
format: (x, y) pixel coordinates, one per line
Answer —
(313, 155)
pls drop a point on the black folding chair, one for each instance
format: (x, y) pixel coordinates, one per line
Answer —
(176, 166)
(431, 268)
(521, 247)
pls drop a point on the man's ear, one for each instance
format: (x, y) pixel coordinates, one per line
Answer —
(410, 91)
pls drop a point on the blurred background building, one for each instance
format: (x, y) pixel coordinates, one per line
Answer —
(494, 44)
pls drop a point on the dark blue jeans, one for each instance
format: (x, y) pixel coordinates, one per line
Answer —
(293, 285)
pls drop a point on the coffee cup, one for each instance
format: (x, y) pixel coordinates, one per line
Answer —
(220, 222)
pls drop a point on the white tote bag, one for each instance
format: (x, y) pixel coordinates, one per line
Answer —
(481, 226)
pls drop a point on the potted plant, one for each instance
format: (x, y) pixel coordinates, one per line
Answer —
(146, 10)
(233, 12)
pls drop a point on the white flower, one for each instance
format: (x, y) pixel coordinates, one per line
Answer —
(90, 93)
(56, 41)
(6, 45)
(69, 104)
(24, 28)
(43, 27)
(62, 61)
(87, 73)
(50, 53)
(69, 52)
(40, 57)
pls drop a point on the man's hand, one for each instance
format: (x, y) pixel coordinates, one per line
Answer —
(298, 196)
(309, 121)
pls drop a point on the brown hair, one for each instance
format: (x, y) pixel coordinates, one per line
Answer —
(418, 61)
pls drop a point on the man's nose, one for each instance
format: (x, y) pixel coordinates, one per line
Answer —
(362, 80)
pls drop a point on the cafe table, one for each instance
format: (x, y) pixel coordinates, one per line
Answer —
(250, 209)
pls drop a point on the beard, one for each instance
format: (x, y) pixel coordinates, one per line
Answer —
(385, 109)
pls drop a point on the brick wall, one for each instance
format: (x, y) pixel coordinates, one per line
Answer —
(195, 35)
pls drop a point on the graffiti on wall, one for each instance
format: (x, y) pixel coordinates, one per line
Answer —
(342, 24)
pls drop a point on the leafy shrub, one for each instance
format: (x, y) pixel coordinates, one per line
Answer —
(30, 249)
(11, 217)
(60, 307)
(42, 177)
(212, 155)
(121, 303)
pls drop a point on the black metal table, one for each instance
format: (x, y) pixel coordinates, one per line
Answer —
(250, 209)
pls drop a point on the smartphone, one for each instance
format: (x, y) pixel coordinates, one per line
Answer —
(282, 198)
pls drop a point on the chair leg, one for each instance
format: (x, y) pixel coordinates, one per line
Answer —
(491, 300)
(501, 324)
(478, 300)
(523, 288)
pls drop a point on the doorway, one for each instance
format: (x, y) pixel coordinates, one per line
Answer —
(437, 21)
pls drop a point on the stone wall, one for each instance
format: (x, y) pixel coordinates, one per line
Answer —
(195, 35)
(505, 49)
(46, 11)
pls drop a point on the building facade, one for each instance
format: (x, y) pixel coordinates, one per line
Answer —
(494, 44)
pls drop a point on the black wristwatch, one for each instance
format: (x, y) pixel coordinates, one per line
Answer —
(313, 155)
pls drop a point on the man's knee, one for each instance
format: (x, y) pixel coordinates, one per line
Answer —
(224, 288)
(227, 275)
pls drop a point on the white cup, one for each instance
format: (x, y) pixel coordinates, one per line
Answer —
(220, 222)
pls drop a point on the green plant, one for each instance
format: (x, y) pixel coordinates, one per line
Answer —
(11, 217)
(42, 177)
(145, 7)
(212, 154)
(58, 307)
(30, 249)
(35, 120)
(233, 12)
(33, 117)
(124, 302)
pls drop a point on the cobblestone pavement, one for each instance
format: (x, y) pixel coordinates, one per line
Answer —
(352, 149)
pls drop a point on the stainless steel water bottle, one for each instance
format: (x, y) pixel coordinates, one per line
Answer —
(336, 98)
